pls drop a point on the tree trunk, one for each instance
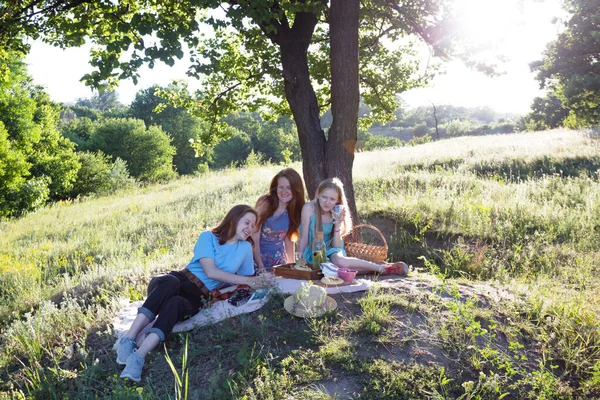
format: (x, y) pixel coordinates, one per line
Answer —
(301, 97)
(333, 157)
(342, 136)
(437, 132)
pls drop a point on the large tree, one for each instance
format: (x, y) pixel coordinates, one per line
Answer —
(249, 54)
(36, 162)
(570, 67)
(546, 113)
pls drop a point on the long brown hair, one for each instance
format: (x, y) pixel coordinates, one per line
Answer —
(226, 229)
(294, 208)
(338, 186)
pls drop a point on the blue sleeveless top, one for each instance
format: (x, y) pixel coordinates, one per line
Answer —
(327, 234)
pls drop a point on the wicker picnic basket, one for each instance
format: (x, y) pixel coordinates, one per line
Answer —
(365, 251)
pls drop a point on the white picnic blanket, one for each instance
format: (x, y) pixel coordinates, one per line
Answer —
(222, 309)
(289, 286)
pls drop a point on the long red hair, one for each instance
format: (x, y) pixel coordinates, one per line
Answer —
(226, 229)
(269, 202)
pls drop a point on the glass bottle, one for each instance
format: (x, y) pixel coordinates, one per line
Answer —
(319, 251)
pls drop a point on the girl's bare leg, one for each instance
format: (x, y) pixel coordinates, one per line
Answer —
(365, 267)
(149, 344)
(138, 324)
(362, 266)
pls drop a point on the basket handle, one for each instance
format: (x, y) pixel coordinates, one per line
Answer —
(373, 228)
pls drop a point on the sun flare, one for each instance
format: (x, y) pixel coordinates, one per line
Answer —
(509, 34)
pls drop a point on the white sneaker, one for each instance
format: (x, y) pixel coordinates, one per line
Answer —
(133, 368)
(125, 347)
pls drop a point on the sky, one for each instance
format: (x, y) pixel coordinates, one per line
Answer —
(517, 29)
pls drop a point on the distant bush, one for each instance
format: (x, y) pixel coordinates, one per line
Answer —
(78, 130)
(233, 151)
(497, 128)
(367, 141)
(203, 168)
(420, 130)
(254, 160)
(458, 127)
(419, 140)
(382, 142)
(147, 152)
(273, 139)
(99, 175)
(176, 122)
(86, 112)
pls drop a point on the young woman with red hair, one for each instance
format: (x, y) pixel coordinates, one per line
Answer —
(278, 220)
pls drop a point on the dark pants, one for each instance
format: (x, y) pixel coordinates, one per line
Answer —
(173, 297)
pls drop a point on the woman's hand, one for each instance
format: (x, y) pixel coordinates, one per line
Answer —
(265, 279)
(338, 221)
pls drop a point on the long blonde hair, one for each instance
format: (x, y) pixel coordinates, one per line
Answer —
(338, 186)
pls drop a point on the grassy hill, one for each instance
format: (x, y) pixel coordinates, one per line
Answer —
(503, 233)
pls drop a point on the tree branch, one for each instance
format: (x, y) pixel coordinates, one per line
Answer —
(377, 92)
(54, 6)
(213, 105)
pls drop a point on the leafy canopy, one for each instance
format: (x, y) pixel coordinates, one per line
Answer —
(570, 67)
(234, 46)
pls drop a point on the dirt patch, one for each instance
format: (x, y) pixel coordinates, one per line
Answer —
(342, 386)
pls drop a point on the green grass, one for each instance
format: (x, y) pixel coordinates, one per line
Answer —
(503, 233)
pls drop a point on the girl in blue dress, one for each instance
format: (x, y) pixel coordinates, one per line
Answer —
(329, 194)
(278, 220)
(222, 255)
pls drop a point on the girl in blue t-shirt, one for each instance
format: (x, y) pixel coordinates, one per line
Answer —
(329, 194)
(278, 220)
(222, 255)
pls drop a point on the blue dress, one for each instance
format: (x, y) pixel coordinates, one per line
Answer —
(272, 240)
(327, 231)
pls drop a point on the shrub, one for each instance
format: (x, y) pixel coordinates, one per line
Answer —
(420, 130)
(254, 160)
(147, 152)
(78, 130)
(32, 147)
(98, 174)
(25, 197)
(232, 151)
(458, 127)
(419, 140)
(382, 142)
(272, 140)
(176, 122)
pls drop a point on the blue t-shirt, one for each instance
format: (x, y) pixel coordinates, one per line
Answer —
(233, 258)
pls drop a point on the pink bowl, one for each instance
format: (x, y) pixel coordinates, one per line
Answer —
(347, 275)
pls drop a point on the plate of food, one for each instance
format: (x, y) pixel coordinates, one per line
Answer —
(301, 265)
(330, 281)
